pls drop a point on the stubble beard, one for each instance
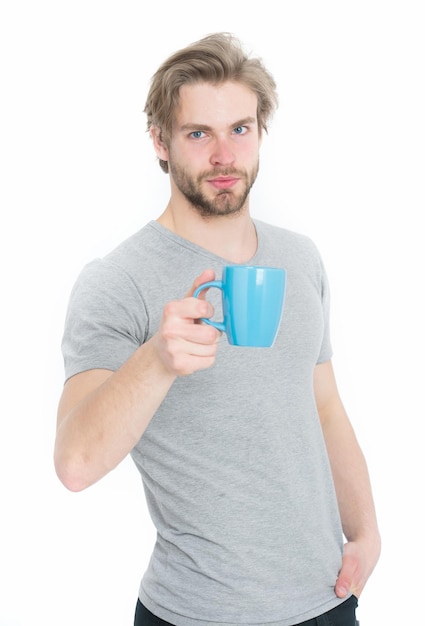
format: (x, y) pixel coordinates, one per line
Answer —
(225, 202)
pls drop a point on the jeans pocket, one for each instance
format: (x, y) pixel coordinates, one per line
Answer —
(344, 614)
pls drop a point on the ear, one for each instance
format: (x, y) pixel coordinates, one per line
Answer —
(159, 144)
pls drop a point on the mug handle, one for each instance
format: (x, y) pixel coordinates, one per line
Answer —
(219, 285)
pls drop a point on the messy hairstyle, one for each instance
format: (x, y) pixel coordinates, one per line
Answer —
(215, 59)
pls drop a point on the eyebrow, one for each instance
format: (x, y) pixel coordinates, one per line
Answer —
(193, 126)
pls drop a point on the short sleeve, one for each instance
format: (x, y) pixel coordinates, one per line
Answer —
(326, 348)
(106, 319)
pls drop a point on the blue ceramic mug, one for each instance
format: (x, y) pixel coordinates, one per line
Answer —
(252, 301)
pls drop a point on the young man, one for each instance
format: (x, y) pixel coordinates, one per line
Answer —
(252, 472)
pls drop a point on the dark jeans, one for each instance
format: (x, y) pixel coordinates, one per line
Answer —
(342, 615)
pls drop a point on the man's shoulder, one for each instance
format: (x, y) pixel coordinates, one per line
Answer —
(119, 262)
(134, 243)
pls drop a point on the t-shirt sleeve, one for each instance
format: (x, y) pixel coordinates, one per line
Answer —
(326, 348)
(105, 322)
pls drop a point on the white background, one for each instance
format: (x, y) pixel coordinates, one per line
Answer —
(343, 163)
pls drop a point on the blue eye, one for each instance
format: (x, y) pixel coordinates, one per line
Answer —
(239, 130)
(197, 134)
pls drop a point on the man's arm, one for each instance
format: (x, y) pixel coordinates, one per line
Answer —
(103, 414)
(352, 484)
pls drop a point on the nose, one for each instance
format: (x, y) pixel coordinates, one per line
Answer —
(222, 153)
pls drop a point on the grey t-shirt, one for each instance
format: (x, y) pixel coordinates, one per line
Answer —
(234, 464)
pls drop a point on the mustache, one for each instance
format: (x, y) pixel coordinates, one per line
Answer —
(222, 171)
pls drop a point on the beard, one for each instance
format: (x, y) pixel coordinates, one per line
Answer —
(225, 201)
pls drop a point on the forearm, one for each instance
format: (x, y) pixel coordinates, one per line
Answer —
(349, 469)
(352, 484)
(96, 434)
(357, 510)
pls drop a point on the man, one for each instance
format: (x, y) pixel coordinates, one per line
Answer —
(252, 472)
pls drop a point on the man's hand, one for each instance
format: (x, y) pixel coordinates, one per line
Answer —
(183, 345)
(358, 562)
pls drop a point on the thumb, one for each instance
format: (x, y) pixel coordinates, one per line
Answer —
(205, 277)
(345, 576)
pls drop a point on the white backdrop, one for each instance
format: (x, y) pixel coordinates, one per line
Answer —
(343, 163)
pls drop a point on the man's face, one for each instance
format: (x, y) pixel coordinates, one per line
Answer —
(214, 150)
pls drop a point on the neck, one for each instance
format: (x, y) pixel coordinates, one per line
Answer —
(232, 237)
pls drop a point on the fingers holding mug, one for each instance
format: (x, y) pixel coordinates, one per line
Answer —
(206, 276)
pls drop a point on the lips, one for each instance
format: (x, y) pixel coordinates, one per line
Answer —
(223, 182)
